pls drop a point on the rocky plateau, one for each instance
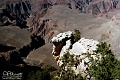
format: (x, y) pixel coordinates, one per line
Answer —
(27, 26)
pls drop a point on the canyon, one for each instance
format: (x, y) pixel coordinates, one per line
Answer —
(27, 27)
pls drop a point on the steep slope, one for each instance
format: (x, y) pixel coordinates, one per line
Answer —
(14, 36)
(69, 19)
(109, 32)
(47, 18)
(41, 57)
(59, 19)
(95, 7)
(15, 13)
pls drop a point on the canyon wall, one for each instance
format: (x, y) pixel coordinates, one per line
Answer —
(28, 13)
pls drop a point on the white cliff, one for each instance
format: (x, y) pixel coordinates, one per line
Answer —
(79, 48)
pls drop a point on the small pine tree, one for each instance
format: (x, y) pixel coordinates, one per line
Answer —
(108, 68)
(65, 71)
(105, 68)
(41, 74)
(77, 35)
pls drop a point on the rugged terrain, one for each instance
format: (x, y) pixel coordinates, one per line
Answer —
(27, 26)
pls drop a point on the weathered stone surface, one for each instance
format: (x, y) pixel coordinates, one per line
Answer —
(95, 7)
(14, 36)
(41, 56)
(116, 19)
(46, 18)
(107, 32)
(18, 11)
(79, 49)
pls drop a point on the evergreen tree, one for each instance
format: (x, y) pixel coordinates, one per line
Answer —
(77, 35)
(65, 71)
(106, 68)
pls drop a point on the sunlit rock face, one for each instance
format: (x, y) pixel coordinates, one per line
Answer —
(64, 43)
(116, 19)
(95, 7)
(61, 43)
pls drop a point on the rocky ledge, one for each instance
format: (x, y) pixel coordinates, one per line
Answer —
(64, 43)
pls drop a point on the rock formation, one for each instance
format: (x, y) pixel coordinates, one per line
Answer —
(28, 14)
(63, 44)
(16, 44)
(116, 19)
(16, 55)
(107, 32)
(43, 19)
(16, 13)
(59, 41)
(95, 7)
(20, 42)
(14, 36)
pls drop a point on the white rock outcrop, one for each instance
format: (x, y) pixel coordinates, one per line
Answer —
(79, 48)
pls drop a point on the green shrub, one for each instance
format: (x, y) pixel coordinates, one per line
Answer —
(108, 68)
(42, 74)
(77, 35)
(65, 71)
